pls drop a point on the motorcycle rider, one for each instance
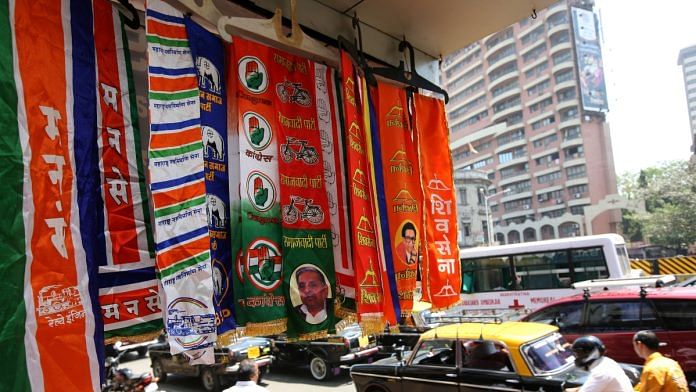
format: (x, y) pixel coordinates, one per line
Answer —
(605, 374)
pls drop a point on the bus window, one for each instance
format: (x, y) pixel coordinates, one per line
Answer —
(485, 274)
(543, 270)
(588, 263)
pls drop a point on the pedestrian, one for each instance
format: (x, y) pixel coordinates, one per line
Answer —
(660, 374)
(247, 377)
(605, 374)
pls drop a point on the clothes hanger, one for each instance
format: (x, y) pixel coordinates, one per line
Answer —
(206, 10)
(409, 78)
(134, 21)
(356, 53)
(271, 31)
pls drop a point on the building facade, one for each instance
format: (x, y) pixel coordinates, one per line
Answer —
(471, 211)
(687, 59)
(519, 113)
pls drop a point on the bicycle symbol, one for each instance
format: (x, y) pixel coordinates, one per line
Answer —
(294, 93)
(294, 148)
(312, 213)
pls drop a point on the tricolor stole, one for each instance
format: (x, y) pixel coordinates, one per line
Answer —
(402, 194)
(307, 245)
(46, 298)
(128, 288)
(209, 57)
(259, 299)
(366, 261)
(177, 185)
(441, 267)
(336, 190)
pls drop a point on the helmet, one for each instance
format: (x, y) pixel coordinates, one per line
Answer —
(587, 349)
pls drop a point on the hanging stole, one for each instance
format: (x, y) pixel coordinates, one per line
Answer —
(441, 267)
(45, 268)
(334, 178)
(178, 188)
(209, 57)
(402, 194)
(366, 261)
(128, 288)
(307, 244)
(260, 303)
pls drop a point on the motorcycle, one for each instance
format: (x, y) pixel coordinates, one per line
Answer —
(123, 379)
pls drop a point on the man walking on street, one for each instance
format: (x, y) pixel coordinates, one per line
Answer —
(247, 377)
(660, 374)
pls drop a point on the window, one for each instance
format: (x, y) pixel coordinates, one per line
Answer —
(561, 57)
(544, 122)
(566, 95)
(466, 92)
(509, 50)
(515, 170)
(486, 274)
(569, 114)
(531, 37)
(546, 178)
(578, 210)
(506, 69)
(545, 141)
(505, 87)
(560, 38)
(516, 205)
(519, 187)
(509, 155)
(554, 213)
(574, 152)
(556, 196)
(678, 315)
(567, 317)
(485, 355)
(619, 316)
(549, 355)
(467, 229)
(462, 64)
(517, 134)
(548, 160)
(506, 104)
(571, 133)
(536, 70)
(543, 270)
(577, 191)
(482, 163)
(502, 36)
(564, 76)
(541, 105)
(466, 108)
(436, 352)
(512, 119)
(534, 53)
(491, 176)
(471, 120)
(588, 264)
(576, 172)
(539, 87)
(460, 81)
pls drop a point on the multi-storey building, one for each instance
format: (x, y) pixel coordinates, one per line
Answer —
(518, 112)
(471, 210)
(687, 59)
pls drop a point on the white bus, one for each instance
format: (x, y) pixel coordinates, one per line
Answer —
(532, 274)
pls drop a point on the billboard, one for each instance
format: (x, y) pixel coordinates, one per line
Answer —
(589, 57)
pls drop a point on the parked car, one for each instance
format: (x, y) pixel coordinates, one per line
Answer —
(615, 316)
(326, 356)
(213, 377)
(508, 356)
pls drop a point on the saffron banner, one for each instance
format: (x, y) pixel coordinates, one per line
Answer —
(177, 185)
(128, 288)
(209, 57)
(441, 268)
(402, 196)
(366, 259)
(307, 247)
(260, 303)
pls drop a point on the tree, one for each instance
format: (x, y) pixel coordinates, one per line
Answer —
(669, 191)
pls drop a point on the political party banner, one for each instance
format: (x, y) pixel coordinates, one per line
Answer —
(441, 270)
(401, 196)
(178, 187)
(307, 247)
(46, 271)
(327, 91)
(209, 57)
(369, 295)
(128, 288)
(588, 53)
(259, 299)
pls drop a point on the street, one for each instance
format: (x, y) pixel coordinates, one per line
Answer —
(280, 379)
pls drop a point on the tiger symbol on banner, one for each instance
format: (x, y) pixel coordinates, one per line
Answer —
(264, 264)
(253, 74)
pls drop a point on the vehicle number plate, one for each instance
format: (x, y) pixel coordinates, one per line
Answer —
(364, 341)
(151, 387)
(253, 352)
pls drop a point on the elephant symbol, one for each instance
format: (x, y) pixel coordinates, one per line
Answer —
(212, 141)
(208, 75)
(215, 209)
(217, 281)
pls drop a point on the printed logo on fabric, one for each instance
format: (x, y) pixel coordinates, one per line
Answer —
(208, 75)
(396, 117)
(56, 300)
(181, 323)
(404, 202)
(293, 92)
(261, 191)
(252, 74)
(312, 213)
(264, 264)
(257, 130)
(213, 145)
(216, 210)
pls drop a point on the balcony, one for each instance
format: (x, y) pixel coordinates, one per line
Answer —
(557, 28)
(535, 63)
(513, 144)
(571, 142)
(563, 85)
(579, 202)
(514, 90)
(461, 87)
(516, 196)
(568, 64)
(518, 213)
(555, 9)
(513, 74)
(506, 112)
(512, 162)
(559, 47)
(574, 162)
(507, 60)
(537, 99)
(518, 177)
(569, 122)
(573, 102)
(493, 49)
(578, 181)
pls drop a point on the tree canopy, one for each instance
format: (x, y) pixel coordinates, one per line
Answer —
(669, 191)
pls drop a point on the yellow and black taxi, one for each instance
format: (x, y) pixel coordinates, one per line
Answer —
(213, 377)
(508, 356)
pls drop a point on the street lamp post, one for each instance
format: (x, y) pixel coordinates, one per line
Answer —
(489, 220)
